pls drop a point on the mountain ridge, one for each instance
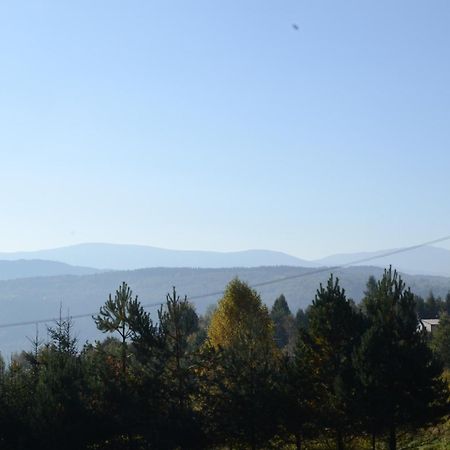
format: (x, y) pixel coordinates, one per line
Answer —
(428, 260)
(106, 256)
(31, 268)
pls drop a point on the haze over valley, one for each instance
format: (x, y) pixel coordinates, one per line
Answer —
(35, 289)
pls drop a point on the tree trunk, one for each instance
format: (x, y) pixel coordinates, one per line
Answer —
(339, 441)
(373, 441)
(298, 441)
(253, 438)
(124, 354)
(392, 438)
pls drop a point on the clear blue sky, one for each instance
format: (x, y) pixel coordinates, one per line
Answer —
(216, 125)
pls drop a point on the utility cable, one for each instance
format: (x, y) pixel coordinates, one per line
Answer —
(255, 285)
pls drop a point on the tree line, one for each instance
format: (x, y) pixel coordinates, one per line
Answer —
(238, 377)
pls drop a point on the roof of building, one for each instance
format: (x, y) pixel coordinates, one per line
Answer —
(430, 321)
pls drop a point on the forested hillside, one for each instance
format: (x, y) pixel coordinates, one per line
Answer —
(39, 298)
(241, 376)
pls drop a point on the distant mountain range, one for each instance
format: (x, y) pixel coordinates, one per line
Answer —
(79, 278)
(425, 260)
(130, 257)
(23, 268)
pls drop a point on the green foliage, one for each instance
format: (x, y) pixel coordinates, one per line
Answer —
(432, 306)
(401, 384)
(301, 319)
(302, 393)
(239, 392)
(280, 308)
(371, 286)
(131, 369)
(219, 381)
(284, 322)
(179, 324)
(335, 328)
(119, 314)
(440, 340)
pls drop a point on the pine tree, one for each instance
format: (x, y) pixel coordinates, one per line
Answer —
(335, 329)
(400, 379)
(302, 395)
(118, 315)
(126, 366)
(179, 324)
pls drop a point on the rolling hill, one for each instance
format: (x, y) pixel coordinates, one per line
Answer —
(24, 268)
(426, 260)
(31, 299)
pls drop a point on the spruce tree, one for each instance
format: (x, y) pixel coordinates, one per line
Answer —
(284, 322)
(59, 416)
(301, 319)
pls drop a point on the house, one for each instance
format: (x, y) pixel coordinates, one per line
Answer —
(429, 324)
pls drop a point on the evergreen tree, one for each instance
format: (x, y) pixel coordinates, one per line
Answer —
(447, 303)
(284, 322)
(111, 399)
(179, 324)
(131, 369)
(400, 379)
(301, 319)
(335, 328)
(301, 391)
(440, 339)
(58, 416)
(17, 394)
(118, 315)
(433, 305)
(371, 286)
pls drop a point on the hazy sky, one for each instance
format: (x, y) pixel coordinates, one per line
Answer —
(216, 125)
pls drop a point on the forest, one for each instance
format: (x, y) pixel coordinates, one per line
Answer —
(241, 376)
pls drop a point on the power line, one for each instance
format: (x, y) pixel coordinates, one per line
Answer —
(262, 283)
(331, 268)
(54, 319)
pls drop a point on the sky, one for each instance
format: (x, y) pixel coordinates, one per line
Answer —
(217, 125)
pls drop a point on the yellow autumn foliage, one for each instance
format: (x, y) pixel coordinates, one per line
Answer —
(242, 322)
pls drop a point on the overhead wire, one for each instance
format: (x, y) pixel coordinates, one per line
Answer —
(254, 285)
